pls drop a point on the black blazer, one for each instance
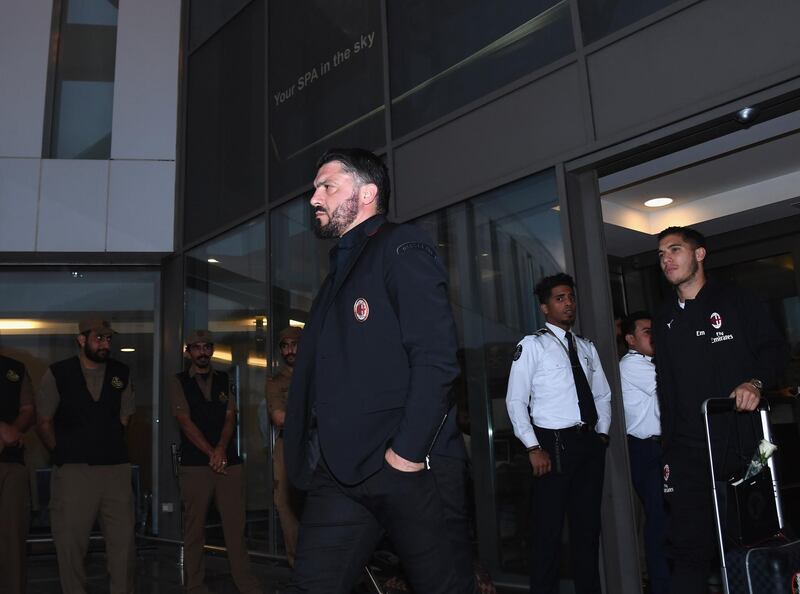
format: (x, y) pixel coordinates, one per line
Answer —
(379, 355)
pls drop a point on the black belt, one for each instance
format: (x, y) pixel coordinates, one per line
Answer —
(651, 438)
(582, 428)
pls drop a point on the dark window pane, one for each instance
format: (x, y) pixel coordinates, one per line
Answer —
(207, 16)
(225, 123)
(39, 313)
(226, 293)
(325, 84)
(496, 247)
(83, 87)
(444, 55)
(601, 17)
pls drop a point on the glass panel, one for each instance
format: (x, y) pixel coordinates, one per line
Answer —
(601, 17)
(444, 55)
(39, 312)
(206, 18)
(225, 293)
(299, 263)
(325, 84)
(496, 248)
(83, 89)
(225, 119)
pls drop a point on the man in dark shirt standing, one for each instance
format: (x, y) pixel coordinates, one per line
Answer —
(83, 406)
(369, 395)
(711, 341)
(17, 414)
(210, 465)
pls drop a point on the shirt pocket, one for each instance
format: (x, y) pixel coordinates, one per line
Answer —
(555, 367)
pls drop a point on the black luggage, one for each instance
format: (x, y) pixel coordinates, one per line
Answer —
(771, 566)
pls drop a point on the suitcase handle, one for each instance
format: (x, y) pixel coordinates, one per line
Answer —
(722, 405)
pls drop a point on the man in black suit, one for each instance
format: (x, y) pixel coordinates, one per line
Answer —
(370, 394)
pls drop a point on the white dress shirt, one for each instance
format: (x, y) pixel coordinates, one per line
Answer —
(541, 385)
(642, 413)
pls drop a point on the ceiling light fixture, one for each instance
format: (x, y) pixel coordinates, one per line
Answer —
(212, 261)
(127, 350)
(658, 202)
(9, 324)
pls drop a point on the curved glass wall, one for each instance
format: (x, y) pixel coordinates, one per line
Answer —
(39, 314)
(443, 55)
(226, 293)
(603, 17)
(325, 84)
(496, 247)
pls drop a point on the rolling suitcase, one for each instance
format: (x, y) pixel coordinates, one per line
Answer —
(755, 556)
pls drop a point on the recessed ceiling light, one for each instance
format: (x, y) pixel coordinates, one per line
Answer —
(658, 202)
(213, 261)
(127, 350)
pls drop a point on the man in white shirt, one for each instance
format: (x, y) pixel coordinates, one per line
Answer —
(643, 424)
(559, 403)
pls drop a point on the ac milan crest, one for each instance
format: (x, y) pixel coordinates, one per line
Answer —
(666, 472)
(716, 320)
(361, 309)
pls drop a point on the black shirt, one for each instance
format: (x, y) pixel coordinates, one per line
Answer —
(720, 339)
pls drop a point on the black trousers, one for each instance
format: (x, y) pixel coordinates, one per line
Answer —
(341, 525)
(573, 489)
(690, 521)
(646, 475)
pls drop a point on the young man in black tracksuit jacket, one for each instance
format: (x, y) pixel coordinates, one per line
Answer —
(711, 341)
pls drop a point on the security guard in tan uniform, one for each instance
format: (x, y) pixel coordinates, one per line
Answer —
(287, 499)
(17, 414)
(84, 405)
(210, 467)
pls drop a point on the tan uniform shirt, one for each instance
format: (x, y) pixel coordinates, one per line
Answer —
(48, 398)
(278, 389)
(177, 399)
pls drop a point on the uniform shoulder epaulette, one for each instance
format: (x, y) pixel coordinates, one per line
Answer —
(540, 332)
(583, 338)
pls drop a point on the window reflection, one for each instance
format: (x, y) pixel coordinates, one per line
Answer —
(226, 293)
(444, 55)
(496, 247)
(85, 46)
(600, 18)
(39, 313)
(325, 83)
(298, 264)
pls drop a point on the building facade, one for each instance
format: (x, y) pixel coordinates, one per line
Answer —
(521, 135)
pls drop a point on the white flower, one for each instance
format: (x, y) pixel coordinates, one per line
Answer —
(766, 449)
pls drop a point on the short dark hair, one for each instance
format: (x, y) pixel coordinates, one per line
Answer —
(689, 235)
(366, 167)
(629, 322)
(545, 286)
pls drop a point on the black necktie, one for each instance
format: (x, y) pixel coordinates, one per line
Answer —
(585, 398)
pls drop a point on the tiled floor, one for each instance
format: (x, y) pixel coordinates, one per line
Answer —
(157, 572)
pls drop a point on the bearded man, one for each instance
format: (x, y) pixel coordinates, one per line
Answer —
(369, 423)
(84, 405)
